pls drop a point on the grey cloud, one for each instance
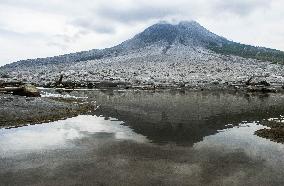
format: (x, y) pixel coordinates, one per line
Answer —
(137, 13)
(147, 11)
(104, 18)
(88, 25)
(60, 7)
(13, 34)
(58, 45)
(62, 40)
(240, 7)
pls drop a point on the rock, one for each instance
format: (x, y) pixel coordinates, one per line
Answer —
(67, 84)
(274, 134)
(215, 83)
(90, 85)
(1, 84)
(111, 84)
(27, 90)
(261, 89)
(256, 81)
(182, 85)
(268, 90)
(264, 83)
(105, 84)
(12, 83)
(248, 82)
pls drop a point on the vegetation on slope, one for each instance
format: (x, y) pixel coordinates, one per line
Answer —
(247, 51)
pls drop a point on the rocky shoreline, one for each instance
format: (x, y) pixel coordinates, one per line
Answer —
(16, 111)
(275, 132)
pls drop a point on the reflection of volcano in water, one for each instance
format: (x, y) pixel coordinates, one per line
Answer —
(162, 131)
(185, 118)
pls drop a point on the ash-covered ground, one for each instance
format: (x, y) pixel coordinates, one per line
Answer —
(177, 66)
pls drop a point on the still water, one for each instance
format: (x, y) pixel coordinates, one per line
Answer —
(149, 138)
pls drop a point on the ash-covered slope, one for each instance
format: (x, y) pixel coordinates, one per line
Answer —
(190, 34)
(163, 54)
(187, 33)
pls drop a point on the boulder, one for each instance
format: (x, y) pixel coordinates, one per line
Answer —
(259, 81)
(181, 85)
(264, 83)
(27, 90)
(215, 82)
(261, 89)
(12, 83)
(1, 84)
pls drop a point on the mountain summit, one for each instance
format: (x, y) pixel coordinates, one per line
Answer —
(186, 33)
(162, 54)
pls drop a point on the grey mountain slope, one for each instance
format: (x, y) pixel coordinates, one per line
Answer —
(163, 54)
(190, 34)
(186, 33)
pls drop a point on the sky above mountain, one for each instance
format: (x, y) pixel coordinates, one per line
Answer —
(40, 28)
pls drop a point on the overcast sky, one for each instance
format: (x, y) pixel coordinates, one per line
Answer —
(41, 28)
